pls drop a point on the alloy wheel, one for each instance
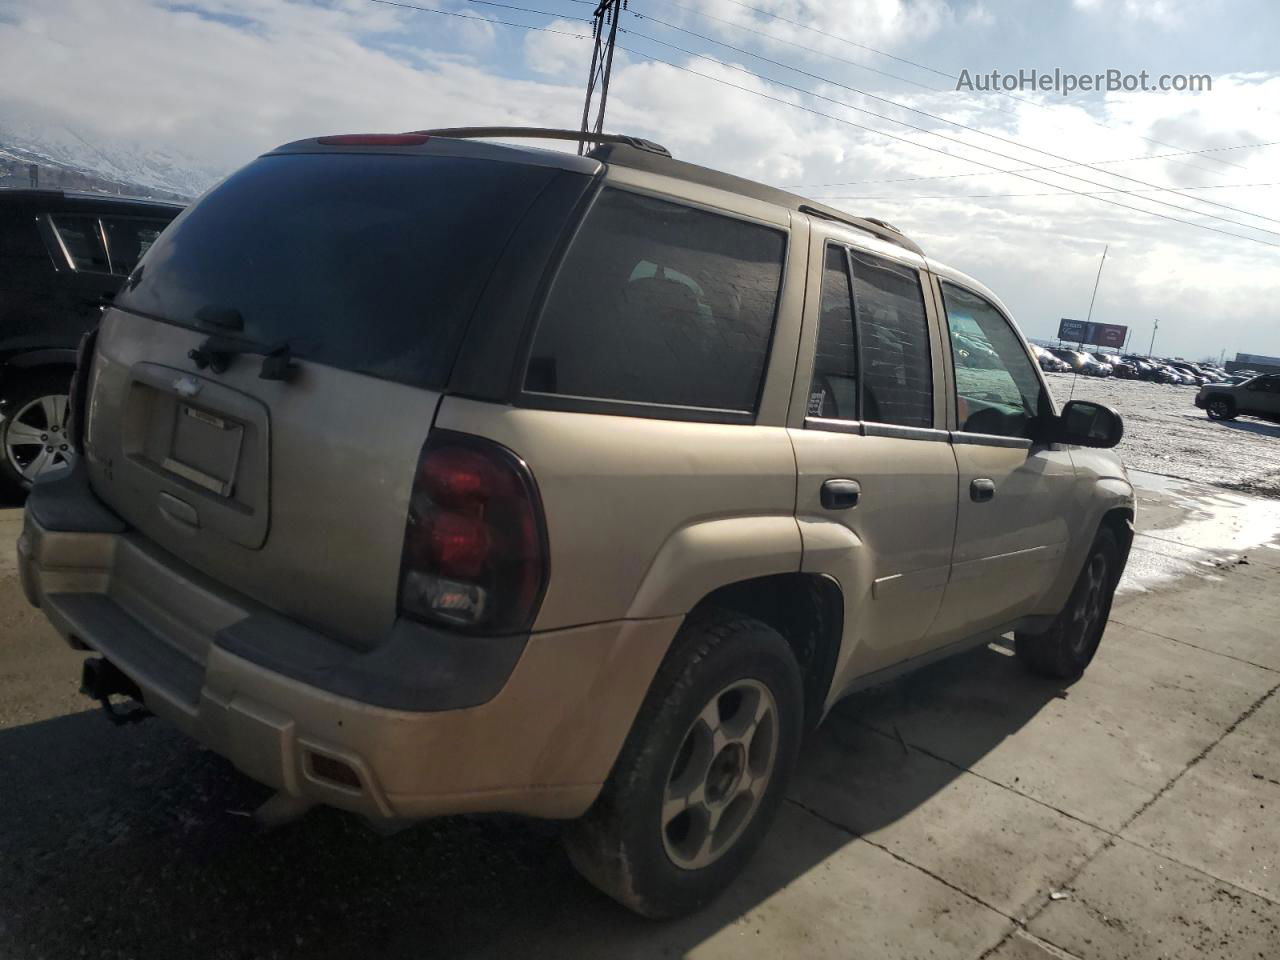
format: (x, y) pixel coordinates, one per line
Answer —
(35, 438)
(720, 774)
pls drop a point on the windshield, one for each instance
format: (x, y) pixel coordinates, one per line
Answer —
(369, 262)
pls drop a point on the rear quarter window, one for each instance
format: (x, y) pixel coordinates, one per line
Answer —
(661, 304)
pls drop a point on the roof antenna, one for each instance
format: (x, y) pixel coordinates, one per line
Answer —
(1096, 280)
(606, 14)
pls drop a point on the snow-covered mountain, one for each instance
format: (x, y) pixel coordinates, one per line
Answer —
(75, 160)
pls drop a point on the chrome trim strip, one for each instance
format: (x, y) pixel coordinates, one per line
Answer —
(989, 440)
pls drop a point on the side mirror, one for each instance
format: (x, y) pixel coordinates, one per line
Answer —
(1084, 423)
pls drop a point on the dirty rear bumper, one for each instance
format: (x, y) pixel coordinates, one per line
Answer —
(421, 723)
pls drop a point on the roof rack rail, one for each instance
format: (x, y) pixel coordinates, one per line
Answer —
(546, 133)
(877, 228)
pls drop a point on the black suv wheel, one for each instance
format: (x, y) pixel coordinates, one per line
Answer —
(33, 434)
(1220, 407)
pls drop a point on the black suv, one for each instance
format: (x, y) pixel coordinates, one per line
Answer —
(62, 256)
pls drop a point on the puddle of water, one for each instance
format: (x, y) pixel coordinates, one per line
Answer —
(1198, 530)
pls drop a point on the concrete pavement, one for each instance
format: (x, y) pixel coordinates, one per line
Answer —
(967, 811)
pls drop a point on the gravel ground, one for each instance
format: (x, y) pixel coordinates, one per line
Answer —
(1165, 433)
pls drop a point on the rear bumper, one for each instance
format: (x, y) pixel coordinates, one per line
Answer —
(278, 699)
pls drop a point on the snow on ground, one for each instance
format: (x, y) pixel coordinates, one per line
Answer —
(1166, 433)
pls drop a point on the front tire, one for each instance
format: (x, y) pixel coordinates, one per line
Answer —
(1068, 646)
(702, 773)
(1220, 408)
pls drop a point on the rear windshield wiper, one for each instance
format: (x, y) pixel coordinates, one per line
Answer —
(217, 352)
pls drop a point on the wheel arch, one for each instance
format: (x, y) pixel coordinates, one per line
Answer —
(1112, 509)
(37, 363)
(807, 609)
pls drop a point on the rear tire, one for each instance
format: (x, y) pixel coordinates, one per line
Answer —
(687, 805)
(35, 420)
(1066, 648)
(1220, 408)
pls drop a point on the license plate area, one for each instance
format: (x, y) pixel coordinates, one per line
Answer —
(205, 449)
(202, 444)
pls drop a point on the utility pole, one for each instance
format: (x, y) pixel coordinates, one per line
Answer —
(604, 31)
(1154, 328)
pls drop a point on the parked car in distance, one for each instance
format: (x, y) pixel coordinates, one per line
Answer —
(62, 255)
(353, 521)
(1119, 368)
(1198, 376)
(1255, 397)
(1048, 362)
(1081, 362)
(1147, 368)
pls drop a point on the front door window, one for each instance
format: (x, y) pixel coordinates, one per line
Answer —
(997, 389)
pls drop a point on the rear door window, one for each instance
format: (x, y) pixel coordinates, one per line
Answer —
(878, 369)
(833, 394)
(368, 262)
(81, 238)
(661, 304)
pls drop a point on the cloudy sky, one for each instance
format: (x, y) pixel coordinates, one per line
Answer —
(789, 93)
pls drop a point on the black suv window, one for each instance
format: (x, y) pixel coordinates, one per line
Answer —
(887, 350)
(660, 303)
(83, 242)
(127, 240)
(368, 262)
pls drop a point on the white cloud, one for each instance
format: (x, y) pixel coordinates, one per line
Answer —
(1164, 13)
(561, 53)
(224, 91)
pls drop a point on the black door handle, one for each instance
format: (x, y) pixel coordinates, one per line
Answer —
(840, 494)
(982, 490)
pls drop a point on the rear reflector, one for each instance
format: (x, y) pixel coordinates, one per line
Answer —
(334, 770)
(374, 140)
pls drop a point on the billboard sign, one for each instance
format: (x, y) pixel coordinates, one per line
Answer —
(1098, 334)
(1073, 330)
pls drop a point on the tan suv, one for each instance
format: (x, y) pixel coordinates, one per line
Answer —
(426, 475)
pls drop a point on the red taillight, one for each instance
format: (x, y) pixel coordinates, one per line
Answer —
(374, 140)
(474, 550)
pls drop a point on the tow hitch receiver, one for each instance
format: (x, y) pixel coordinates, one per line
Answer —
(101, 679)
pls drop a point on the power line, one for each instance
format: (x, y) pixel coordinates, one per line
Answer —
(827, 116)
(791, 43)
(954, 176)
(922, 146)
(954, 123)
(831, 56)
(822, 79)
(922, 66)
(489, 20)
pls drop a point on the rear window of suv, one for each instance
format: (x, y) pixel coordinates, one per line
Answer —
(660, 304)
(368, 262)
